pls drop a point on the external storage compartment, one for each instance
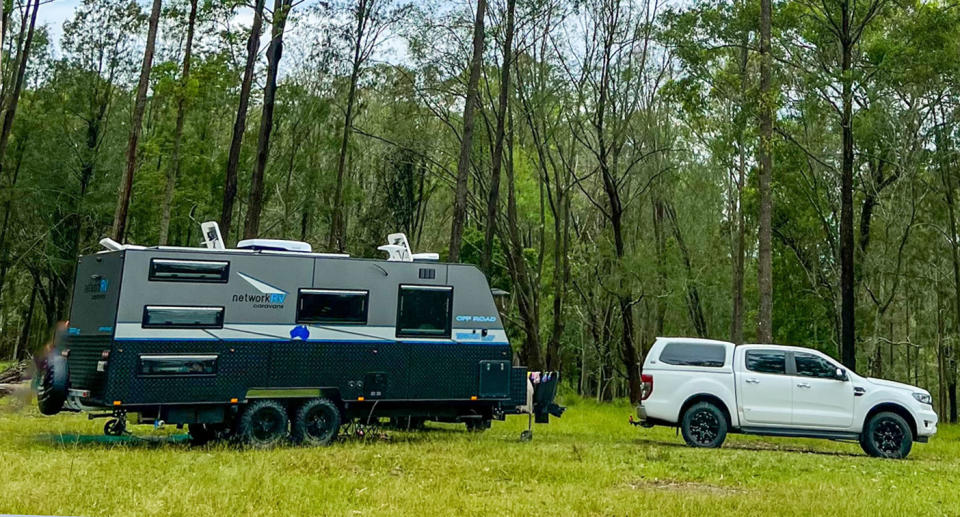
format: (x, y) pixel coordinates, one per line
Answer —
(494, 379)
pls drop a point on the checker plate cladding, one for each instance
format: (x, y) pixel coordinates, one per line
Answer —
(415, 371)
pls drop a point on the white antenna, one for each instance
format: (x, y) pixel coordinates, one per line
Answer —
(211, 235)
(397, 248)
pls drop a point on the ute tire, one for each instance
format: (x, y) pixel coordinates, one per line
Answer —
(704, 425)
(887, 435)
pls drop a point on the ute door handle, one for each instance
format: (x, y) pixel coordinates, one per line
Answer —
(803, 385)
(752, 381)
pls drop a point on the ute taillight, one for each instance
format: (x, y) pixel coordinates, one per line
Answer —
(647, 381)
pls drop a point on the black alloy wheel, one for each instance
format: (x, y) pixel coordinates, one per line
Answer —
(262, 424)
(887, 435)
(316, 422)
(704, 425)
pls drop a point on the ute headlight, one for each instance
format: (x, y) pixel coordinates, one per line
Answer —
(923, 398)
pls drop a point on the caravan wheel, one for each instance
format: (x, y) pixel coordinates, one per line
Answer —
(262, 424)
(317, 422)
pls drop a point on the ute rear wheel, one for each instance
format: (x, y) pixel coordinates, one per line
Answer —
(316, 422)
(262, 424)
(886, 435)
(704, 425)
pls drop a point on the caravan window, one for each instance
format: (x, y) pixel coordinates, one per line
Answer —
(186, 365)
(424, 311)
(332, 306)
(165, 316)
(169, 270)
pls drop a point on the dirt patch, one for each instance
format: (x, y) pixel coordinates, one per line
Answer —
(683, 486)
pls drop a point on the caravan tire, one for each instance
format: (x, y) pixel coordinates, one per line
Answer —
(262, 424)
(316, 422)
(52, 389)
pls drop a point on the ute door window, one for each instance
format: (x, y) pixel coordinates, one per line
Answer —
(819, 397)
(809, 365)
(333, 306)
(424, 311)
(765, 388)
(177, 317)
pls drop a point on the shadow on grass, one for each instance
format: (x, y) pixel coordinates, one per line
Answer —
(102, 441)
(373, 436)
(758, 447)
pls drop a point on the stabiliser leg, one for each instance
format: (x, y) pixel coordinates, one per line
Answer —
(527, 435)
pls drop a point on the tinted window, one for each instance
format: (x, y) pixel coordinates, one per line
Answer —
(424, 311)
(809, 365)
(161, 316)
(767, 361)
(178, 364)
(693, 354)
(169, 270)
(332, 306)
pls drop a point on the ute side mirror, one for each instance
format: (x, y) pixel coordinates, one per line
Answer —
(840, 374)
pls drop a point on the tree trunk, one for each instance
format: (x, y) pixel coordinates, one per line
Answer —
(174, 172)
(24, 339)
(955, 258)
(527, 292)
(739, 238)
(765, 237)
(11, 109)
(466, 140)
(126, 183)
(274, 52)
(240, 124)
(848, 352)
(694, 307)
(493, 201)
(338, 226)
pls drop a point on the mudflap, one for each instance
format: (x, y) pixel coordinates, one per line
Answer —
(544, 392)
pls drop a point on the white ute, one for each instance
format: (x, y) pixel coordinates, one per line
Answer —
(709, 388)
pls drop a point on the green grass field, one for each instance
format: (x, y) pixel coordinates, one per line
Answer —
(588, 462)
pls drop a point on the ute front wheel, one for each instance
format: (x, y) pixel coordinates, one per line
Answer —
(317, 422)
(262, 424)
(887, 435)
(704, 425)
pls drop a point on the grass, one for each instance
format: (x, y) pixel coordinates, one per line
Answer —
(588, 462)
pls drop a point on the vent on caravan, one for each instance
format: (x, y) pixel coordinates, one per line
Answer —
(274, 245)
(398, 250)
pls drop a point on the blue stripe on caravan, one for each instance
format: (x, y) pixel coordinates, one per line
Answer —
(342, 341)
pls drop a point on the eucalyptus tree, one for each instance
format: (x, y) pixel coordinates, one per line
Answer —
(140, 105)
(370, 22)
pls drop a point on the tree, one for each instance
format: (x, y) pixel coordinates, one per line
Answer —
(371, 19)
(765, 233)
(466, 138)
(493, 200)
(281, 10)
(140, 105)
(240, 123)
(175, 160)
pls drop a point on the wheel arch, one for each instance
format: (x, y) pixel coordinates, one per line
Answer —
(891, 407)
(705, 397)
